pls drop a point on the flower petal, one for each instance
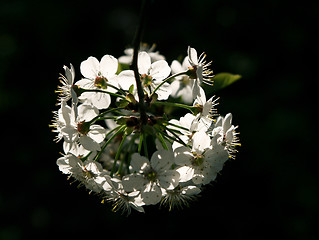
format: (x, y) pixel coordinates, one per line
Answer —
(152, 194)
(90, 68)
(89, 144)
(108, 66)
(192, 55)
(139, 163)
(143, 63)
(125, 79)
(162, 160)
(186, 173)
(134, 182)
(160, 70)
(97, 133)
(169, 179)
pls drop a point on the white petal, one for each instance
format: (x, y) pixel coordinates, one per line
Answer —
(201, 141)
(176, 67)
(169, 179)
(134, 182)
(152, 194)
(90, 68)
(191, 190)
(160, 70)
(186, 173)
(144, 63)
(227, 121)
(108, 66)
(85, 83)
(89, 144)
(162, 160)
(183, 156)
(87, 112)
(139, 163)
(164, 91)
(192, 55)
(125, 79)
(101, 100)
(97, 133)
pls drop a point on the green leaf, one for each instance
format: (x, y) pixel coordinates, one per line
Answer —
(222, 80)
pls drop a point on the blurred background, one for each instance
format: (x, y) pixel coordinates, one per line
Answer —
(270, 190)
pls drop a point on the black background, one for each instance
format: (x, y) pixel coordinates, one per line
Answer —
(270, 190)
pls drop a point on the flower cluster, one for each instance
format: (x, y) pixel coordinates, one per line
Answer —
(167, 159)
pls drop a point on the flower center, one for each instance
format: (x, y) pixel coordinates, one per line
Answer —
(100, 82)
(197, 160)
(83, 127)
(146, 80)
(151, 175)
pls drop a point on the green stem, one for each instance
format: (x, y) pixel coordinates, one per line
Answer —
(180, 105)
(119, 130)
(118, 153)
(178, 139)
(162, 140)
(102, 91)
(167, 79)
(139, 149)
(104, 113)
(145, 145)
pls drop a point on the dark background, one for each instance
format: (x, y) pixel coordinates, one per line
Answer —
(270, 190)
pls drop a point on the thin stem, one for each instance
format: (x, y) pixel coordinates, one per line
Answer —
(98, 117)
(102, 91)
(162, 140)
(180, 105)
(145, 145)
(119, 130)
(177, 126)
(167, 79)
(118, 154)
(139, 149)
(136, 44)
(178, 139)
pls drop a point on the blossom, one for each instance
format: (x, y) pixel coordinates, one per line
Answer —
(150, 177)
(207, 110)
(182, 85)
(114, 192)
(151, 75)
(128, 57)
(226, 133)
(199, 70)
(77, 128)
(180, 196)
(201, 163)
(98, 75)
(88, 173)
(66, 91)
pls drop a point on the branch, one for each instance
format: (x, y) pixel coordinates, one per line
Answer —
(136, 45)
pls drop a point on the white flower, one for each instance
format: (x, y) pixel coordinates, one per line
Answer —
(207, 110)
(200, 72)
(98, 75)
(180, 196)
(122, 200)
(65, 91)
(92, 175)
(201, 163)
(151, 75)
(69, 164)
(182, 86)
(225, 133)
(128, 57)
(77, 129)
(150, 177)
(88, 173)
